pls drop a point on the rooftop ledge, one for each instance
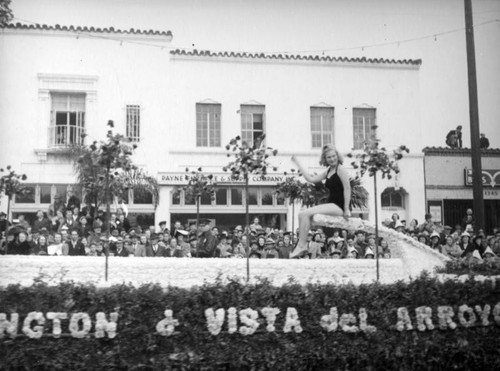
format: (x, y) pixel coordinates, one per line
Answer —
(458, 152)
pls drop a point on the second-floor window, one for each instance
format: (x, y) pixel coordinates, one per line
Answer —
(363, 122)
(208, 125)
(321, 126)
(252, 123)
(133, 130)
(67, 119)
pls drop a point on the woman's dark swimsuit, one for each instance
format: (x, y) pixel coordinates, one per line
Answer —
(336, 189)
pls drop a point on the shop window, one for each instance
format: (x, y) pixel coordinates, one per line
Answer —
(252, 196)
(143, 198)
(45, 194)
(236, 196)
(392, 198)
(267, 196)
(205, 199)
(27, 196)
(176, 197)
(221, 196)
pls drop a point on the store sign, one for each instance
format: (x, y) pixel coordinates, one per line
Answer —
(223, 178)
(491, 178)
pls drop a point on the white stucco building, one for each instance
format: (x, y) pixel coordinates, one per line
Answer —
(183, 107)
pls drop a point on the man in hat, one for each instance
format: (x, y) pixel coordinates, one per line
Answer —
(120, 249)
(454, 137)
(207, 242)
(155, 249)
(184, 246)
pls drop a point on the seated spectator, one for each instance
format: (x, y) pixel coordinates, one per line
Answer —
(465, 241)
(20, 245)
(350, 251)
(422, 238)
(488, 253)
(450, 248)
(270, 251)
(41, 247)
(385, 250)
(428, 225)
(56, 248)
(23, 223)
(120, 249)
(40, 222)
(413, 227)
(286, 248)
(468, 222)
(336, 254)
(484, 143)
(394, 221)
(435, 239)
(92, 249)
(360, 243)
(474, 249)
(255, 251)
(369, 254)
(399, 227)
(314, 249)
(224, 249)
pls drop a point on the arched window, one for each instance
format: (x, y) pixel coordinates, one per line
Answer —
(393, 198)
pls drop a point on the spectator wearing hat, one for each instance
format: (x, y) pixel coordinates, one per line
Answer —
(270, 251)
(40, 222)
(224, 249)
(445, 233)
(134, 244)
(450, 248)
(423, 238)
(207, 243)
(465, 241)
(120, 248)
(484, 143)
(369, 254)
(20, 245)
(474, 249)
(488, 253)
(435, 239)
(140, 250)
(155, 249)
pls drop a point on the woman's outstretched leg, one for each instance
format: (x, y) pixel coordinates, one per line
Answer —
(305, 218)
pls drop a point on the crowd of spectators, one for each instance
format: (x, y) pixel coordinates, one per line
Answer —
(72, 231)
(464, 240)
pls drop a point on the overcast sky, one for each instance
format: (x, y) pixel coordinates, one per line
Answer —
(332, 27)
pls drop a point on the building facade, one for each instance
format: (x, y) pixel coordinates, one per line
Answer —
(183, 107)
(448, 185)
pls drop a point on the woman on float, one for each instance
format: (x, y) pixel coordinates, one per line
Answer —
(337, 182)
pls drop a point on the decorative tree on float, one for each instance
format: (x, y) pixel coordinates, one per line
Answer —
(105, 170)
(10, 185)
(373, 160)
(248, 159)
(199, 185)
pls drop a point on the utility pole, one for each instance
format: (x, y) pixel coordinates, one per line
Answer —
(477, 183)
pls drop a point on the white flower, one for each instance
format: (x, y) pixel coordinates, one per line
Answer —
(292, 321)
(167, 325)
(102, 325)
(424, 318)
(37, 331)
(445, 314)
(214, 321)
(496, 313)
(74, 327)
(232, 316)
(461, 316)
(330, 321)
(56, 318)
(404, 321)
(9, 326)
(363, 325)
(345, 322)
(270, 315)
(483, 314)
(249, 318)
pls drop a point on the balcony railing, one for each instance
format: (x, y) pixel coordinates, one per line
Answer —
(61, 136)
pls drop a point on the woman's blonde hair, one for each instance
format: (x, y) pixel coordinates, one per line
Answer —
(327, 148)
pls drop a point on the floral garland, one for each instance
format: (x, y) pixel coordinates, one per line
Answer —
(167, 325)
(37, 331)
(74, 327)
(249, 317)
(270, 314)
(292, 321)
